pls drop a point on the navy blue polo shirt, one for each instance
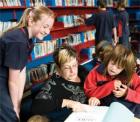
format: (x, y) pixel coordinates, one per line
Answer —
(104, 23)
(124, 18)
(14, 50)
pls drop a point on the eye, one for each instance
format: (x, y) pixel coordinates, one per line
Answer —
(46, 26)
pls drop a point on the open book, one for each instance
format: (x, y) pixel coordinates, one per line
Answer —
(117, 112)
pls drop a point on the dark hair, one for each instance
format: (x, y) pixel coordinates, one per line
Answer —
(103, 49)
(101, 3)
(63, 54)
(121, 4)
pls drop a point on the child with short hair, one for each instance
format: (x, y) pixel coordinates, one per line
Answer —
(116, 80)
(122, 20)
(103, 49)
(104, 23)
(38, 118)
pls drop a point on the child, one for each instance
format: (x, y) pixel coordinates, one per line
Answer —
(15, 47)
(104, 23)
(116, 80)
(38, 118)
(122, 19)
(103, 49)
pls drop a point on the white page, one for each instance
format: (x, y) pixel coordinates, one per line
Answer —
(89, 114)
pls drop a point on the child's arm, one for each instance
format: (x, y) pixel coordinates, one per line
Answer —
(115, 36)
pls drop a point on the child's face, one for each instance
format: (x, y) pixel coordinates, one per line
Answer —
(42, 27)
(113, 69)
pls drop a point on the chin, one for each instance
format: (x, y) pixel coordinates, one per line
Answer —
(40, 38)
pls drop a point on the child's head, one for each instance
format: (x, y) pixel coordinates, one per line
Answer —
(38, 118)
(121, 61)
(39, 21)
(103, 49)
(120, 4)
(102, 3)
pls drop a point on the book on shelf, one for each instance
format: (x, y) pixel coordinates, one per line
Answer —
(116, 112)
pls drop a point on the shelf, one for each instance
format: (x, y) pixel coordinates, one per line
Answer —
(43, 60)
(12, 7)
(61, 32)
(49, 58)
(68, 10)
(81, 46)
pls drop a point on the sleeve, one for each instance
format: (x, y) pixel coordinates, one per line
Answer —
(91, 88)
(133, 94)
(46, 97)
(91, 20)
(16, 55)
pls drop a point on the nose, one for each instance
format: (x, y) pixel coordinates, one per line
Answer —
(47, 31)
(71, 69)
(114, 67)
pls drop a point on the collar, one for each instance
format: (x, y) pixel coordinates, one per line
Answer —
(101, 68)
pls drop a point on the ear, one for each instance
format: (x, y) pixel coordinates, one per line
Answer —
(30, 20)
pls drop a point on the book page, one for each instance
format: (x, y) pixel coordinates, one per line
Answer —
(117, 112)
(89, 114)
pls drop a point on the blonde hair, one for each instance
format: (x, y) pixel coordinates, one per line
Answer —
(38, 118)
(64, 54)
(123, 57)
(103, 49)
(36, 14)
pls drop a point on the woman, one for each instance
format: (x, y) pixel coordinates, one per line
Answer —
(64, 90)
(15, 47)
(116, 80)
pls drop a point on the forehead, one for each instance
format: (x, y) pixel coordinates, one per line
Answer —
(46, 20)
(72, 61)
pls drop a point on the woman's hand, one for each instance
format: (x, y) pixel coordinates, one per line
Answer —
(74, 105)
(93, 101)
(121, 91)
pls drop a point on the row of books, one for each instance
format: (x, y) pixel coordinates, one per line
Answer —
(12, 3)
(109, 3)
(62, 2)
(47, 47)
(39, 74)
(71, 20)
(29, 3)
(6, 25)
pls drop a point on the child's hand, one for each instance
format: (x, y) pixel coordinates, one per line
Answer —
(117, 84)
(93, 101)
(80, 20)
(120, 92)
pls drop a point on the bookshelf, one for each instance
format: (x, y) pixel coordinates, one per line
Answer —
(14, 12)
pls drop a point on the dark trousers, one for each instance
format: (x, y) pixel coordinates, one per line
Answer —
(135, 108)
